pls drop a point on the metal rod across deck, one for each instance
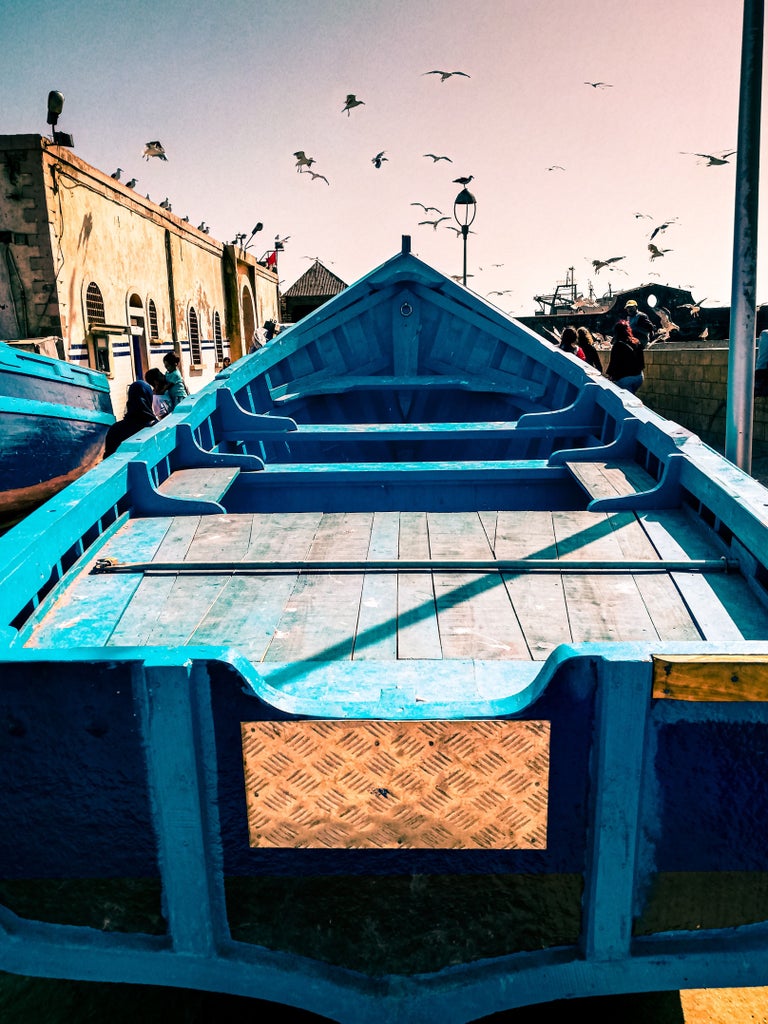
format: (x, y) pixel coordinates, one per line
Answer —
(519, 565)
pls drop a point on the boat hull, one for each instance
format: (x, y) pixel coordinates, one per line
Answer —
(53, 420)
(411, 671)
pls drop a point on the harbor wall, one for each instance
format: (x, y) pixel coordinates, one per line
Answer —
(688, 383)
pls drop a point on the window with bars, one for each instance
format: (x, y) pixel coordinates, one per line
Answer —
(218, 344)
(195, 353)
(154, 334)
(94, 304)
(95, 316)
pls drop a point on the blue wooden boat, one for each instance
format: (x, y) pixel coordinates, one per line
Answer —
(413, 671)
(53, 420)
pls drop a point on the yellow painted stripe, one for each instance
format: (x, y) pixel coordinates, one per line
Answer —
(711, 677)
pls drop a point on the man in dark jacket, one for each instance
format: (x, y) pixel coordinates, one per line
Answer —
(641, 323)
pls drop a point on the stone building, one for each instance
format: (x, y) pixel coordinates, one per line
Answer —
(311, 290)
(120, 279)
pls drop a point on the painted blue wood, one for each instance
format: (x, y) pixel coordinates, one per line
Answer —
(666, 494)
(127, 761)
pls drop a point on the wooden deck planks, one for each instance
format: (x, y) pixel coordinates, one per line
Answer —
(291, 616)
(320, 619)
(474, 612)
(377, 623)
(86, 613)
(601, 606)
(418, 635)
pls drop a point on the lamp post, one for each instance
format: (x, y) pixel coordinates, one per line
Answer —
(464, 210)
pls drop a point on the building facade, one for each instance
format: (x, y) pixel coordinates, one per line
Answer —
(120, 279)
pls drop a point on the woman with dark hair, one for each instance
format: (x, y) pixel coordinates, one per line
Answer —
(627, 361)
(138, 414)
(569, 342)
(586, 343)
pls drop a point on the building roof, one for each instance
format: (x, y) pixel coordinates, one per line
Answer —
(318, 281)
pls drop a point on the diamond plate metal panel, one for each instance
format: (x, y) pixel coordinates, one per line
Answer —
(397, 785)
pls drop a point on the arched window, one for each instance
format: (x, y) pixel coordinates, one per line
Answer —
(99, 355)
(195, 355)
(249, 318)
(217, 339)
(154, 334)
(94, 305)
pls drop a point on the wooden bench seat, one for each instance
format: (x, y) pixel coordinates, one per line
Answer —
(611, 479)
(210, 483)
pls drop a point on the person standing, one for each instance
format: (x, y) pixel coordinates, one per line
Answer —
(586, 343)
(627, 363)
(641, 324)
(177, 389)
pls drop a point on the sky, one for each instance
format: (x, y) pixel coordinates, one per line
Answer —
(234, 88)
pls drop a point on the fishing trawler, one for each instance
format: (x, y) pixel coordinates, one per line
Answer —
(411, 671)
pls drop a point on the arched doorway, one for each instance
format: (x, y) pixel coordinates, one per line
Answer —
(137, 323)
(249, 318)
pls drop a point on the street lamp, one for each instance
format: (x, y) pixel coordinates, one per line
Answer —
(464, 210)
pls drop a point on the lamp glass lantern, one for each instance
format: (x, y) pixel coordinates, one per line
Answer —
(464, 210)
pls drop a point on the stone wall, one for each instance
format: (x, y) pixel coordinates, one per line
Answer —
(688, 383)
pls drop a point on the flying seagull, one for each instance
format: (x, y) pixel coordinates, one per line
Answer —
(655, 251)
(506, 291)
(132, 183)
(436, 158)
(599, 85)
(434, 223)
(427, 209)
(302, 160)
(321, 176)
(713, 159)
(647, 216)
(116, 174)
(556, 167)
(352, 101)
(694, 308)
(463, 181)
(379, 158)
(662, 227)
(599, 264)
(450, 227)
(447, 74)
(154, 149)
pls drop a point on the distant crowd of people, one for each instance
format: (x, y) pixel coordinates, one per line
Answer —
(149, 400)
(626, 362)
(152, 398)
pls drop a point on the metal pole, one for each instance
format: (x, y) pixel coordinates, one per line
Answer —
(741, 352)
(464, 233)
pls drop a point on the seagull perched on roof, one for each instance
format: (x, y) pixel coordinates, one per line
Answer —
(166, 204)
(434, 223)
(302, 160)
(314, 174)
(655, 251)
(427, 209)
(154, 149)
(599, 264)
(351, 101)
(713, 159)
(463, 181)
(377, 160)
(444, 75)
(132, 183)
(599, 85)
(435, 158)
(116, 174)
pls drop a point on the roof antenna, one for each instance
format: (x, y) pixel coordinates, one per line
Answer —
(406, 245)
